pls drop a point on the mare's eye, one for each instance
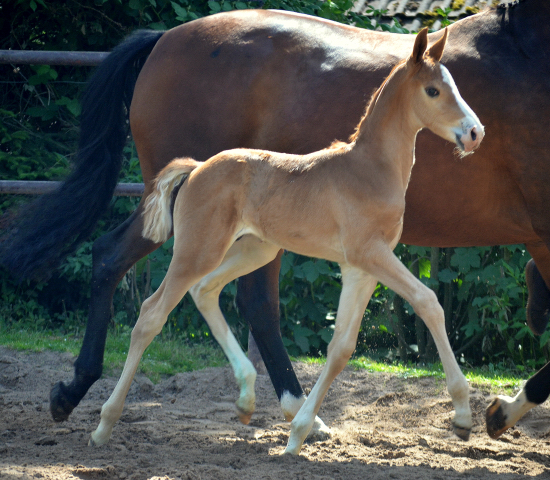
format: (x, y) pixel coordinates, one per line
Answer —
(432, 92)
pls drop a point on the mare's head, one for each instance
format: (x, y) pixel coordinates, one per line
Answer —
(435, 99)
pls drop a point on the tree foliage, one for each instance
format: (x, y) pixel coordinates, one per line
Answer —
(482, 289)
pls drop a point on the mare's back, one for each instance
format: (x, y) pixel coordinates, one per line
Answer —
(257, 79)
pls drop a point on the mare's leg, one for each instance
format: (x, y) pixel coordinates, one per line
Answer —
(113, 254)
(244, 256)
(387, 268)
(357, 288)
(504, 411)
(537, 276)
(193, 259)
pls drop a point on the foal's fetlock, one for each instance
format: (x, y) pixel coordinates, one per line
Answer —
(246, 403)
(101, 436)
(299, 430)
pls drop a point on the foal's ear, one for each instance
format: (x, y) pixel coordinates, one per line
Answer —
(436, 50)
(420, 45)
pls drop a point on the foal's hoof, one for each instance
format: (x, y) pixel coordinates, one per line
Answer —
(495, 419)
(96, 443)
(319, 432)
(60, 406)
(244, 417)
(462, 432)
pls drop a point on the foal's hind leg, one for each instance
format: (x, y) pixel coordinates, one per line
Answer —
(244, 256)
(192, 260)
(387, 268)
(113, 254)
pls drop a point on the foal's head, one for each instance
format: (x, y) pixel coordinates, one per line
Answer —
(435, 99)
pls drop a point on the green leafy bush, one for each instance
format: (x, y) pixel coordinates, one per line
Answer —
(482, 289)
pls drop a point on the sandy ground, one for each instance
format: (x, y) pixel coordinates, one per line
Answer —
(186, 428)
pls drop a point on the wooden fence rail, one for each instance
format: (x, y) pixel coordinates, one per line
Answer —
(26, 57)
(35, 187)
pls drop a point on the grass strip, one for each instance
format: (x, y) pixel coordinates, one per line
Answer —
(168, 355)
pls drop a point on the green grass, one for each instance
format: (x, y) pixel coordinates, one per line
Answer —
(164, 357)
(167, 356)
(494, 380)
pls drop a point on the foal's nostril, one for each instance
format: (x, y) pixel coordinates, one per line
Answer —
(473, 134)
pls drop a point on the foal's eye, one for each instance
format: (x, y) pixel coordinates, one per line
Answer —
(432, 92)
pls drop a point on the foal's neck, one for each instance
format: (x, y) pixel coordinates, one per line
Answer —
(387, 134)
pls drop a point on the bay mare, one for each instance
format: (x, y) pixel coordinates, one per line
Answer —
(294, 83)
(236, 211)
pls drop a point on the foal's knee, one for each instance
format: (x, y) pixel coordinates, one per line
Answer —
(149, 323)
(340, 350)
(426, 304)
(205, 295)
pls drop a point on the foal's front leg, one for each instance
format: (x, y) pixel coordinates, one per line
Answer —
(386, 267)
(357, 288)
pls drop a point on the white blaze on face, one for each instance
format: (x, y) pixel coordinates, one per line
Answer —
(466, 110)
(470, 119)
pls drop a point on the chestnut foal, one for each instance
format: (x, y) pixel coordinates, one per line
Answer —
(234, 212)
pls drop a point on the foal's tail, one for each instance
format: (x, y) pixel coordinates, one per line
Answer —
(54, 225)
(157, 216)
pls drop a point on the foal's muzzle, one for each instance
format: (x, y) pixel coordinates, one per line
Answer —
(471, 137)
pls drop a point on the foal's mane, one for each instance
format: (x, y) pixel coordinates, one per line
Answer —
(373, 100)
(368, 110)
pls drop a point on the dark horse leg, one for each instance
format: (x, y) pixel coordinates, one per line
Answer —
(113, 255)
(537, 276)
(258, 302)
(504, 411)
(56, 223)
(538, 304)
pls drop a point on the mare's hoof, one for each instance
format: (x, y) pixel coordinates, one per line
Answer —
(462, 432)
(60, 406)
(538, 304)
(495, 419)
(244, 417)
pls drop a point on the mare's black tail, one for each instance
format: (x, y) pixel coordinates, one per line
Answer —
(55, 224)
